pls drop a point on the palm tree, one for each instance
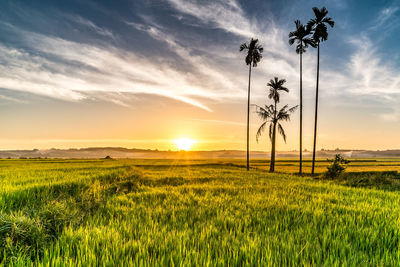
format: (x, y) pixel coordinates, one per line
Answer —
(275, 85)
(271, 115)
(320, 34)
(254, 55)
(300, 37)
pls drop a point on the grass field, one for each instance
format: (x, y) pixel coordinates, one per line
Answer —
(187, 212)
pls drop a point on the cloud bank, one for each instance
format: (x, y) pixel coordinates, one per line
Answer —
(76, 71)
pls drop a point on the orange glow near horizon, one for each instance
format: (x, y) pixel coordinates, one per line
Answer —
(184, 143)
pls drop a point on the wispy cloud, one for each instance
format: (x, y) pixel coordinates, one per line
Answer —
(365, 73)
(278, 60)
(52, 71)
(12, 99)
(370, 73)
(226, 15)
(89, 24)
(75, 71)
(386, 18)
(207, 75)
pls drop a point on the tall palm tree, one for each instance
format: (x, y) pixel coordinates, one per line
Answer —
(254, 55)
(300, 37)
(320, 34)
(271, 115)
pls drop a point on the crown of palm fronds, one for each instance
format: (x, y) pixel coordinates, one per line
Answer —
(318, 24)
(299, 36)
(254, 52)
(276, 85)
(269, 115)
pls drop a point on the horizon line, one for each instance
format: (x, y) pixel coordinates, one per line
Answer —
(174, 150)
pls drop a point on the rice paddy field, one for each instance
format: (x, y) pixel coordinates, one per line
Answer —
(56, 212)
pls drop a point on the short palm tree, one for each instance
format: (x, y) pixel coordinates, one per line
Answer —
(270, 115)
(253, 57)
(320, 34)
(275, 85)
(300, 37)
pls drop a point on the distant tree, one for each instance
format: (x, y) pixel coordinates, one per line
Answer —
(320, 34)
(273, 117)
(302, 41)
(337, 167)
(253, 57)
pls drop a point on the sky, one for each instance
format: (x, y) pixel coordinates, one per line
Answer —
(141, 73)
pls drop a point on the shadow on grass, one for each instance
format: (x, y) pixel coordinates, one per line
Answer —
(383, 180)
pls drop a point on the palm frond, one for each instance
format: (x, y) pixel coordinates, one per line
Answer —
(248, 59)
(253, 43)
(298, 24)
(282, 88)
(323, 12)
(311, 23)
(316, 11)
(320, 13)
(284, 113)
(276, 85)
(270, 109)
(243, 47)
(271, 93)
(284, 108)
(265, 113)
(283, 116)
(310, 41)
(254, 51)
(256, 58)
(329, 21)
(321, 33)
(293, 109)
(260, 130)
(282, 132)
(318, 25)
(260, 49)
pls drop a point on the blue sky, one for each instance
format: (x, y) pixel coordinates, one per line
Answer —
(138, 73)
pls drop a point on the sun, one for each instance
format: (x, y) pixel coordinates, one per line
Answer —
(184, 143)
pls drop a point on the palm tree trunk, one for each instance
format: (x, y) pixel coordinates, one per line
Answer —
(272, 165)
(316, 115)
(301, 113)
(248, 117)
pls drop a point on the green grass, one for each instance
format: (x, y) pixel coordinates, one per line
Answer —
(196, 212)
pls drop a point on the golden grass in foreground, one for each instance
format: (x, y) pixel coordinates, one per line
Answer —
(163, 212)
